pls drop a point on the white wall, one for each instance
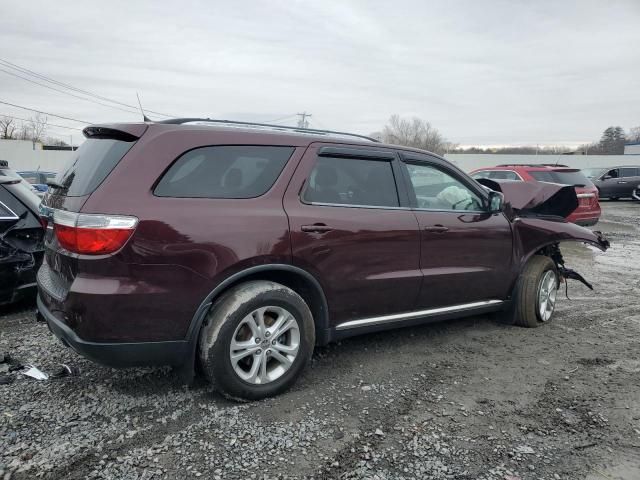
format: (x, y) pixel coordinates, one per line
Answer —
(469, 161)
(21, 156)
(632, 149)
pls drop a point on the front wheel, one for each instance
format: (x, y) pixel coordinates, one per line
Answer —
(537, 292)
(256, 340)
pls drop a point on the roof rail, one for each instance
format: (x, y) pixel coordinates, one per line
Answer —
(180, 121)
(533, 165)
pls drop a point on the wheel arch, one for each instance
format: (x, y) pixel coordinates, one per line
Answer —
(295, 278)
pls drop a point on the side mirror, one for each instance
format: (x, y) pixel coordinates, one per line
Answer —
(607, 177)
(496, 201)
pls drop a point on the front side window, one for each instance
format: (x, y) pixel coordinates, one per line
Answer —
(349, 181)
(438, 190)
(225, 171)
(613, 173)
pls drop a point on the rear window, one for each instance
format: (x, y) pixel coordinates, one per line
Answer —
(593, 172)
(228, 171)
(565, 177)
(90, 165)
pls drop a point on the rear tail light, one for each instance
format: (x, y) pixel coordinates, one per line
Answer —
(92, 234)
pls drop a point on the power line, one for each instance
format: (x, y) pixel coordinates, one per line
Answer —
(13, 66)
(280, 119)
(48, 124)
(302, 123)
(66, 93)
(44, 113)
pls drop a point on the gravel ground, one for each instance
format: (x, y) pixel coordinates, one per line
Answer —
(467, 399)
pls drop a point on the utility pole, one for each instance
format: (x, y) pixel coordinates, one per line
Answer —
(302, 123)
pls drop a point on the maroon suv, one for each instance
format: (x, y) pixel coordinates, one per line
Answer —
(242, 247)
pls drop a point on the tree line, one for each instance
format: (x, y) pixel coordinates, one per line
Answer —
(33, 129)
(418, 133)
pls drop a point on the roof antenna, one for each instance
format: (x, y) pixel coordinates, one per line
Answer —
(144, 117)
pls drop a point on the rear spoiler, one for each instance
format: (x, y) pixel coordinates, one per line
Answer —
(129, 132)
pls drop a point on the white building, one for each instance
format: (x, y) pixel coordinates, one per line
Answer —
(24, 155)
(632, 148)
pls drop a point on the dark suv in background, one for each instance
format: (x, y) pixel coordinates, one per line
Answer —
(617, 182)
(240, 247)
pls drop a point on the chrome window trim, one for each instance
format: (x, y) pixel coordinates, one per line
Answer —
(363, 322)
(14, 217)
(349, 205)
(442, 210)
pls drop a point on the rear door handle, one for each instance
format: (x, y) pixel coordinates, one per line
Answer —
(316, 228)
(436, 229)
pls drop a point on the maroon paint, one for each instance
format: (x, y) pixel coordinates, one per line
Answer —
(474, 251)
(368, 263)
(372, 262)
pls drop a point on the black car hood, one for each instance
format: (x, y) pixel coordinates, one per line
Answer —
(536, 198)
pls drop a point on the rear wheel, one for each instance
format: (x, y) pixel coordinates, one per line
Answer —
(256, 340)
(537, 292)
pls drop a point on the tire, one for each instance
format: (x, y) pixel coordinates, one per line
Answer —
(269, 325)
(539, 273)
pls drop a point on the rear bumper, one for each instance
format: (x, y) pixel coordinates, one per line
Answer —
(585, 217)
(118, 354)
(586, 222)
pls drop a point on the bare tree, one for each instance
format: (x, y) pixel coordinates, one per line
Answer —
(7, 128)
(634, 135)
(414, 132)
(37, 127)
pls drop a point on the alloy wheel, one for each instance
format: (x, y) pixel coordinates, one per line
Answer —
(264, 345)
(547, 291)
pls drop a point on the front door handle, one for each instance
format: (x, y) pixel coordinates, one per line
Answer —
(316, 228)
(436, 229)
(623, 182)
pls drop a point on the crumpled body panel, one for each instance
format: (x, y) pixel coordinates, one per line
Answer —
(539, 198)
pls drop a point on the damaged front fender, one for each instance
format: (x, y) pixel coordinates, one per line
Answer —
(533, 234)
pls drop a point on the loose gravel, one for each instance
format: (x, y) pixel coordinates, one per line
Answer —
(466, 399)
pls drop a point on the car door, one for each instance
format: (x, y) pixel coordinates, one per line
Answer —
(352, 228)
(608, 184)
(466, 254)
(628, 181)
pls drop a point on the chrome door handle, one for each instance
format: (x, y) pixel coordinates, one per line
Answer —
(623, 182)
(436, 229)
(316, 228)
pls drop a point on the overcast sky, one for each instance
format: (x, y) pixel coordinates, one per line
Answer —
(482, 72)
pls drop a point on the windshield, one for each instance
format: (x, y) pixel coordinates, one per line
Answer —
(565, 177)
(592, 172)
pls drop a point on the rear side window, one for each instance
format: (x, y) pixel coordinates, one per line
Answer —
(90, 165)
(497, 175)
(628, 172)
(565, 177)
(349, 181)
(225, 171)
